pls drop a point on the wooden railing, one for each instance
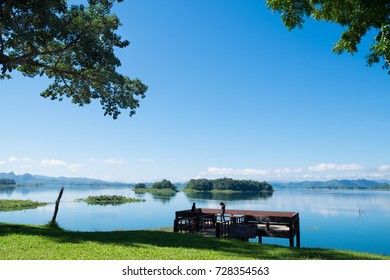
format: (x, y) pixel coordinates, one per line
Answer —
(194, 224)
(222, 229)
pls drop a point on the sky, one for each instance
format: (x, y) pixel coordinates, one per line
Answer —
(232, 93)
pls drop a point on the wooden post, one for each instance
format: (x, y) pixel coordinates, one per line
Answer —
(291, 241)
(291, 233)
(175, 226)
(298, 234)
(218, 230)
(53, 220)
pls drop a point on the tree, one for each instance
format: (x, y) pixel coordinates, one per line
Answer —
(228, 184)
(6, 181)
(357, 16)
(200, 184)
(164, 184)
(140, 186)
(73, 46)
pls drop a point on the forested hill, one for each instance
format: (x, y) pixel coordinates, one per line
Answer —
(37, 179)
(227, 184)
(334, 184)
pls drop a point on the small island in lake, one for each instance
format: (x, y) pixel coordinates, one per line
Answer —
(227, 185)
(164, 187)
(110, 200)
(5, 182)
(17, 205)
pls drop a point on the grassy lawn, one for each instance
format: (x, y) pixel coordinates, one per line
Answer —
(30, 242)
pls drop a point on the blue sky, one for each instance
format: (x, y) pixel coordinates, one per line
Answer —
(231, 93)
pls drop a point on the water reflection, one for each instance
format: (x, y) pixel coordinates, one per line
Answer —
(228, 196)
(24, 190)
(7, 190)
(164, 198)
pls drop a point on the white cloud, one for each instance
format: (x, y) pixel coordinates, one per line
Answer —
(12, 159)
(322, 167)
(282, 170)
(75, 166)
(322, 171)
(113, 161)
(375, 175)
(298, 170)
(384, 168)
(15, 159)
(52, 162)
(278, 172)
(232, 171)
(334, 167)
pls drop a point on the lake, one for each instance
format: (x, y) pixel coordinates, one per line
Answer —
(356, 220)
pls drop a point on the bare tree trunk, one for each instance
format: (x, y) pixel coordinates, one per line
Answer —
(53, 220)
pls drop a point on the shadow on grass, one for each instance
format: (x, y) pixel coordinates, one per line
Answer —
(170, 239)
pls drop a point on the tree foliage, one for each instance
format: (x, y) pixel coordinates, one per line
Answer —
(5, 181)
(357, 16)
(228, 184)
(200, 185)
(73, 46)
(163, 185)
(140, 186)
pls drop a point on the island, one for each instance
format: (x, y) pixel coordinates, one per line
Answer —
(5, 182)
(110, 200)
(18, 205)
(164, 187)
(228, 185)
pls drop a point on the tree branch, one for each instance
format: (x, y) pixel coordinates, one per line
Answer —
(66, 84)
(24, 58)
(1, 41)
(61, 72)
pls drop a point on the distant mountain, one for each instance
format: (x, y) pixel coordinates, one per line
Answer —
(38, 179)
(334, 184)
(384, 181)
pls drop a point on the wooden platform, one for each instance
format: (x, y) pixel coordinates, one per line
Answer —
(241, 224)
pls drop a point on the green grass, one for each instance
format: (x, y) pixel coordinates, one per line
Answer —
(16, 205)
(167, 192)
(162, 191)
(30, 242)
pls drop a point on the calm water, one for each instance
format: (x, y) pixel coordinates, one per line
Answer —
(342, 219)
